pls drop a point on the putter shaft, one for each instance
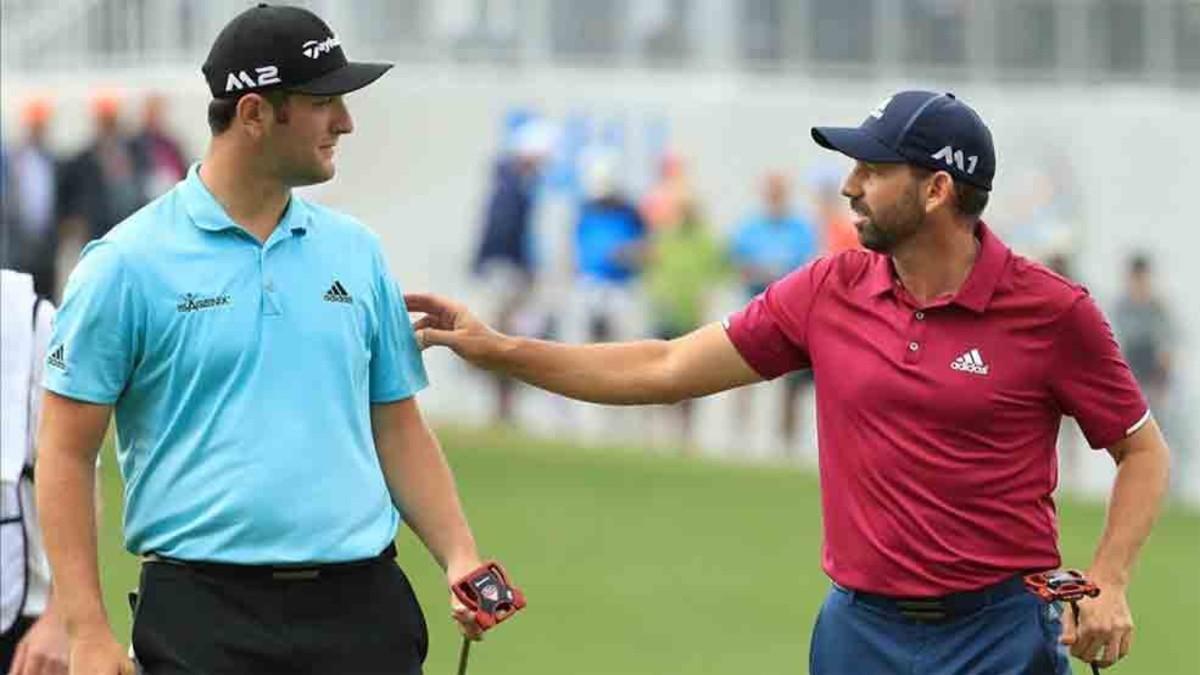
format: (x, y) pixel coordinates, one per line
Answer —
(462, 656)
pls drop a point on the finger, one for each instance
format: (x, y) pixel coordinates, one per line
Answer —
(427, 321)
(467, 624)
(426, 302)
(1112, 651)
(1069, 630)
(33, 663)
(1086, 647)
(1126, 644)
(55, 666)
(429, 337)
(37, 664)
(18, 663)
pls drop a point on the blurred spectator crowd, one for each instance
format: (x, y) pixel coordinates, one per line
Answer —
(53, 203)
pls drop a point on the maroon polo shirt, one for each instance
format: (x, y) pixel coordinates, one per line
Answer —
(937, 424)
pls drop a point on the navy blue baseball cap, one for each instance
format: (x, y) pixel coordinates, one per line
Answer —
(925, 128)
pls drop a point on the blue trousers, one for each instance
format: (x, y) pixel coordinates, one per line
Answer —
(1013, 635)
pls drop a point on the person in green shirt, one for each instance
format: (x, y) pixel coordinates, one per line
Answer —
(685, 264)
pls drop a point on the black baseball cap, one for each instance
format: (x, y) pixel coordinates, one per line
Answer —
(279, 47)
(936, 131)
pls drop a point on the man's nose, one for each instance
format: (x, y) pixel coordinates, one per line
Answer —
(343, 122)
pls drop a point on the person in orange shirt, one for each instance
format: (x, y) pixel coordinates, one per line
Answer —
(834, 220)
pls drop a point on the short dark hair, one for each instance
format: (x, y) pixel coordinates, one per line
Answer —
(221, 111)
(220, 114)
(970, 200)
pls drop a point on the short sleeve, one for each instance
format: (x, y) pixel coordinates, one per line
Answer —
(94, 342)
(771, 331)
(1091, 381)
(397, 371)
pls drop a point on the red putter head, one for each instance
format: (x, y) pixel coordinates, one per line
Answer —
(487, 593)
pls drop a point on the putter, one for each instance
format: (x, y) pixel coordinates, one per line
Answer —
(1069, 586)
(463, 654)
(487, 593)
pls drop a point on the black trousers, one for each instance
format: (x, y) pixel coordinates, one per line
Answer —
(361, 619)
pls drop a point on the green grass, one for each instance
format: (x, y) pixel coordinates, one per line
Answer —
(635, 563)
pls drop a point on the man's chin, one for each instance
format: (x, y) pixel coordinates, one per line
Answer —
(871, 241)
(319, 175)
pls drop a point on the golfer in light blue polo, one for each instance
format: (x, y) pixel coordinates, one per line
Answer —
(262, 370)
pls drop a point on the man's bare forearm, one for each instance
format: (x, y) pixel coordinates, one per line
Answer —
(1141, 482)
(422, 484)
(67, 508)
(620, 373)
(429, 500)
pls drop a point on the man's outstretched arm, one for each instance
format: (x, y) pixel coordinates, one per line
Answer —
(621, 373)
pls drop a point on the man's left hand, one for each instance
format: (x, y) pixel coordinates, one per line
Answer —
(44, 650)
(465, 617)
(1103, 632)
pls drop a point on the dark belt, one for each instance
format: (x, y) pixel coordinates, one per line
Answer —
(288, 572)
(945, 607)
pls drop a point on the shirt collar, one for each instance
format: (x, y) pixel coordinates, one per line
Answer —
(208, 214)
(980, 285)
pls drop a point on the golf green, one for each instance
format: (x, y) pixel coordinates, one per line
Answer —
(639, 563)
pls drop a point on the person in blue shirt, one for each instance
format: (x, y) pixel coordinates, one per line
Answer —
(262, 370)
(767, 245)
(504, 260)
(610, 245)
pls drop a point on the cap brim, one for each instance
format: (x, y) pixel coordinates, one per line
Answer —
(856, 143)
(348, 78)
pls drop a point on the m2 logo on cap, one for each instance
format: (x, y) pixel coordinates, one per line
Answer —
(954, 157)
(240, 79)
(313, 49)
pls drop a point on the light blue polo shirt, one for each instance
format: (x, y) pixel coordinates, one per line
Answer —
(242, 376)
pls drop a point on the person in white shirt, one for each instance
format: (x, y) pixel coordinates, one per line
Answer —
(32, 638)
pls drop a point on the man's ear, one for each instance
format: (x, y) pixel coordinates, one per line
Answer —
(939, 191)
(252, 113)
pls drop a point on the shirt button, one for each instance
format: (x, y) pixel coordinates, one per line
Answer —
(912, 346)
(269, 286)
(920, 316)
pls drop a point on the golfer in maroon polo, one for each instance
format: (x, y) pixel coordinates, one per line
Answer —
(944, 364)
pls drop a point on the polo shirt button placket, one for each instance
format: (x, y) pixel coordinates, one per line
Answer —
(916, 335)
(270, 307)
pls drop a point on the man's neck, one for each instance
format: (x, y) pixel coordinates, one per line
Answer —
(937, 261)
(252, 198)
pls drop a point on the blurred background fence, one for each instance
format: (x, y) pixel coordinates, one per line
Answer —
(1099, 41)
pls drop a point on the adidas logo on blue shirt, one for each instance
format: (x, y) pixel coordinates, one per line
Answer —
(337, 293)
(57, 358)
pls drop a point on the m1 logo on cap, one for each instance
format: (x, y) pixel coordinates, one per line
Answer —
(954, 157)
(313, 49)
(240, 79)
